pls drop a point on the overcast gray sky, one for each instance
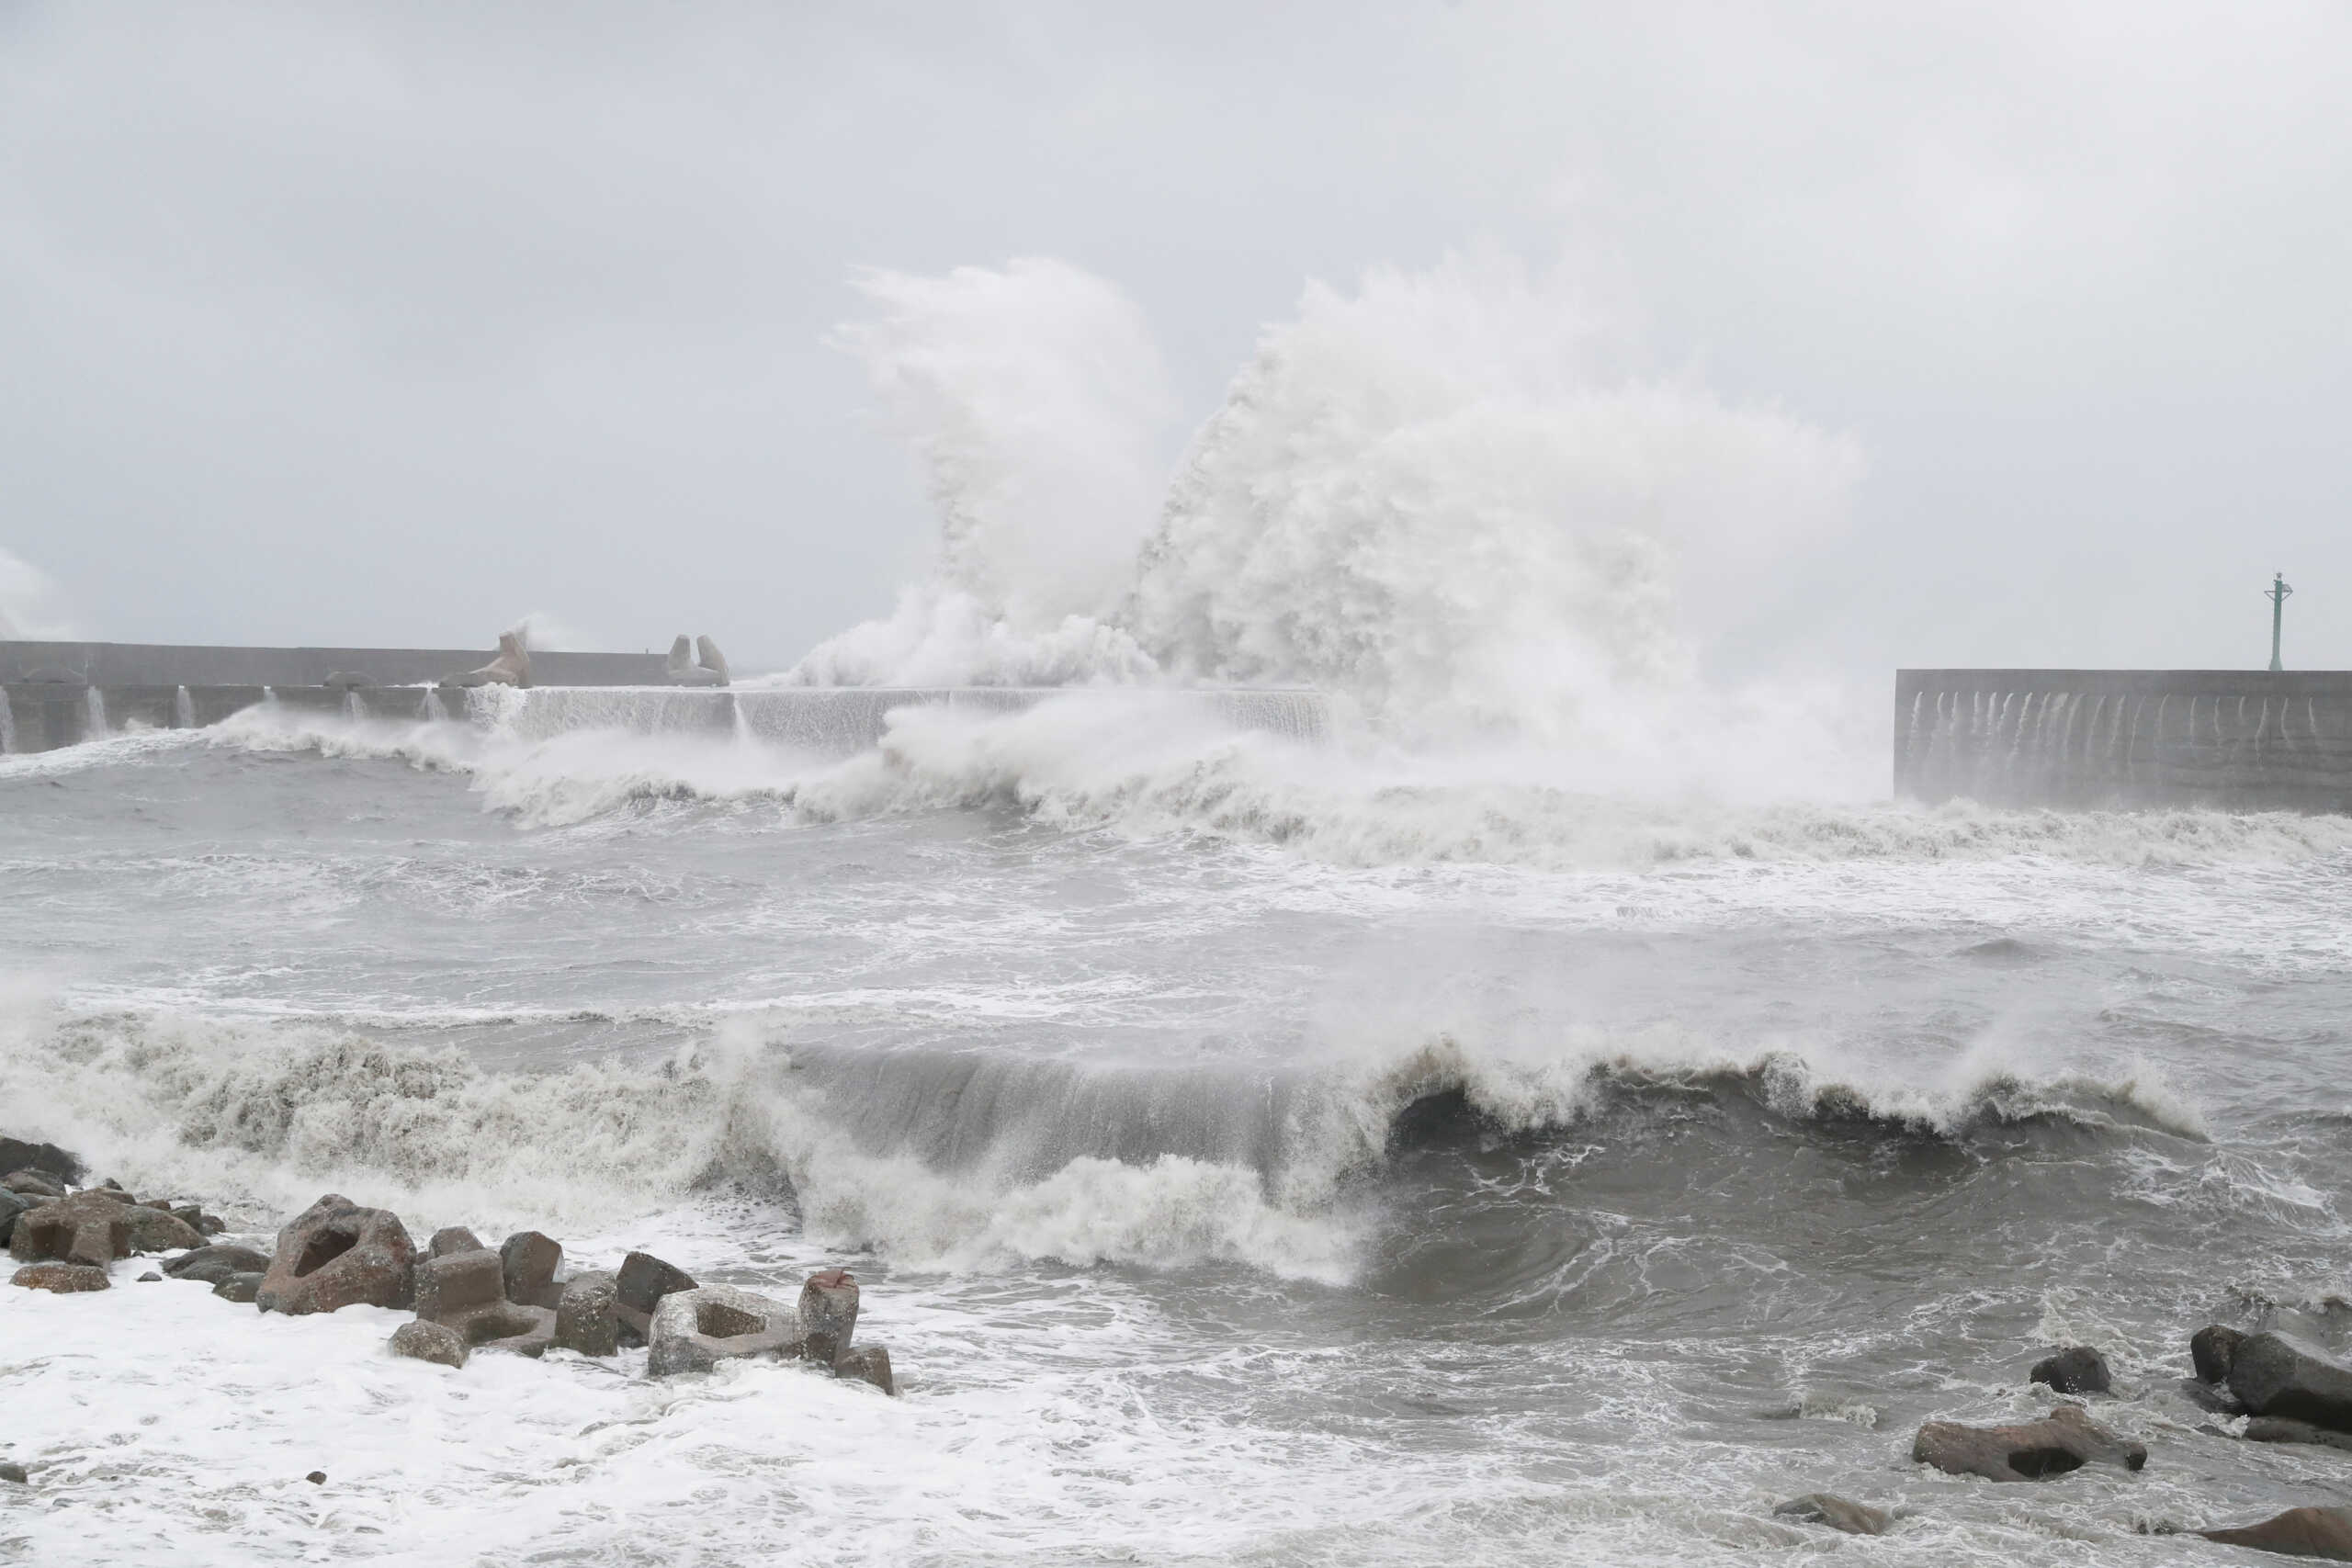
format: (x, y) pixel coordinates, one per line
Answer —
(388, 323)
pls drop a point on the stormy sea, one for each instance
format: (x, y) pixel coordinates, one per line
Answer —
(1505, 1094)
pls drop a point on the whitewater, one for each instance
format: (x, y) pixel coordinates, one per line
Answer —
(1551, 1114)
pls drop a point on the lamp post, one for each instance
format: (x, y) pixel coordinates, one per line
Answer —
(2276, 594)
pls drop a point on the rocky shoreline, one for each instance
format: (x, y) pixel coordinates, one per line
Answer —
(518, 1298)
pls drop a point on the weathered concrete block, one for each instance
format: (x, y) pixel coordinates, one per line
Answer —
(2277, 1374)
(457, 1281)
(336, 1254)
(154, 1230)
(828, 1315)
(433, 1342)
(2077, 1369)
(2032, 1451)
(643, 1280)
(2324, 1534)
(210, 1265)
(530, 1260)
(452, 1238)
(1837, 1513)
(90, 1228)
(2211, 1348)
(868, 1364)
(695, 1330)
(64, 1278)
(584, 1317)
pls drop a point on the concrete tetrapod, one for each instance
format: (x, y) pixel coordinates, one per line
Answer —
(2031, 1450)
(695, 1330)
(511, 667)
(92, 1228)
(336, 1254)
(2299, 1532)
(683, 671)
(2277, 1374)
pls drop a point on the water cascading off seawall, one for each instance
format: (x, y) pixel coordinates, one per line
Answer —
(843, 720)
(2248, 741)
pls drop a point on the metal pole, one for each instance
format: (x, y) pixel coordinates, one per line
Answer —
(2276, 594)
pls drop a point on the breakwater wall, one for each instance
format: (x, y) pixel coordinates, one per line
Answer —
(112, 665)
(42, 716)
(2245, 740)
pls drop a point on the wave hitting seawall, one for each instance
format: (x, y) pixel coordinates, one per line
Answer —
(2248, 740)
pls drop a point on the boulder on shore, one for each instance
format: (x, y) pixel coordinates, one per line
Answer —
(337, 1253)
(2032, 1451)
(828, 1315)
(695, 1330)
(16, 1154)
(431, 1342)
(2287, 1430)
(2277, 1374)
(11, 1205)
(2210, 1349)
(638, 1287)
(1837, 1513)
(243, 1289)
(584, 1317)
(210, 1265)
(529, 1260)
(452, 1238)
(2299, 1532)
(63, 1278)
(154, 1230)
(33, 1184)
(90, 1228)
(2077, 1369)
(867, 1363)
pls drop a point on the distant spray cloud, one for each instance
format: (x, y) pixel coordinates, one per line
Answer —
(543, 633)
(31, 605)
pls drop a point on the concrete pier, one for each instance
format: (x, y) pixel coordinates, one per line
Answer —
(2240, 741)
(109, 665)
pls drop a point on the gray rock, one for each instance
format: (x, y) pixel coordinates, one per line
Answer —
(47, 1158)
(433, 1342)
(240, 1288)
(2033, 1450)
(452, 1238)
(11, 1205)
(456, 1281)
(2274, 1374)
(868, 1363)
(91, 1227)
(210, 1265)
(584, 1317)
(2324, 1534)
(643, 1280)
(336, 1254)
(190, 1215)
(63, 1279)
(15, 1472)
(2208, 1396)
(151, 1277)
(154, 1230)
(1837, 1513)
(2211, 1348)
(2077, 1369)
(211, 1226)
(530, 1260)
(828, 1315)
(2287, 1430)
(695, 1330)
(33, 1184)
(505, 1325)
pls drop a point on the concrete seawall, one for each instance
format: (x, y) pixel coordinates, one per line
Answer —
(2245, 740)
(119, 664)
(44, 716)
